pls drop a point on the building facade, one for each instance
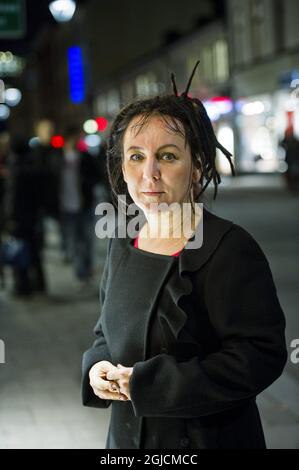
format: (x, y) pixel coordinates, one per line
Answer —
(264, 58)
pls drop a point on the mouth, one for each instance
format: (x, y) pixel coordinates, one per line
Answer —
(152, 193)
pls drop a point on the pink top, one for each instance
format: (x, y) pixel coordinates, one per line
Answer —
(136, 246)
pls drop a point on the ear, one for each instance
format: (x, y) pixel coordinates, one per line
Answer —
(196, 173)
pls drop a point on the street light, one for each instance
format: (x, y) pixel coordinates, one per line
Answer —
(12, 96)
(4, 112)
(62, 10)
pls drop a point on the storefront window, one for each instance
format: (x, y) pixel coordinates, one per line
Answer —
(113, 102)
(101, 104)
(258, 138)
(142, 85)
(208, 69)
(221, 66)
(127, 92)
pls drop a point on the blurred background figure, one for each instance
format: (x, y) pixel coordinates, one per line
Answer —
(77, 173)
(4, 155)
(102, 188)
(290, 144)
(43, 155)
(24, 217)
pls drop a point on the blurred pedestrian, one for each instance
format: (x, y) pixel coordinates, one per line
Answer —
(78, 174)
(45, 158)
(4, 173)
(25, 223)
(103, 193)
(290, 144)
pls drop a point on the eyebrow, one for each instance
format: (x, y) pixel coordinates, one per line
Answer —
(136, 147)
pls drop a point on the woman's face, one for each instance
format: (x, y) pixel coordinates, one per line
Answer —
(157, 164)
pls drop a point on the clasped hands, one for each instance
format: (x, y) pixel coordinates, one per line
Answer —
(109, 382)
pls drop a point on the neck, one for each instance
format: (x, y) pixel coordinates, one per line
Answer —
(178, 222)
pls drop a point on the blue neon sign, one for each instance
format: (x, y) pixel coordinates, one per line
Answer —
(76, 74)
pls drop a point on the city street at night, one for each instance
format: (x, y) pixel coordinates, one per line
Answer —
(121, 120)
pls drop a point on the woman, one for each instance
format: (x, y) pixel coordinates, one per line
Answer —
(187, 338)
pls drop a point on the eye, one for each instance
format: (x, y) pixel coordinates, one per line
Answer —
(135, 157)
(170, 156)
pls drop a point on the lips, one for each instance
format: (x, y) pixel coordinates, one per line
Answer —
(152, 191)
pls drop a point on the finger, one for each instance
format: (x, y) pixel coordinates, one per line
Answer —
(114, 387)
(120, 366)
(124, 392)
(123, 383)
(114, 375)
(100, 384)
(123, 368)
(106, 395)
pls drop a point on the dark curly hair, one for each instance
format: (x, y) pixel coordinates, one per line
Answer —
(181, 114)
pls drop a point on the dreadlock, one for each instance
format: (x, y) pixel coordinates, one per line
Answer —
(182, 114)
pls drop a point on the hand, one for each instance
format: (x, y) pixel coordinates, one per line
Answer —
(101, 385)
(122, 375)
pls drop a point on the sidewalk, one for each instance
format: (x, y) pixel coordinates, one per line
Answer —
(258, 181)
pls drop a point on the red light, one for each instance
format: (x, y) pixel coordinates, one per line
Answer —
(57, 141)
(81, 146)
(102, 123)
(219, 99)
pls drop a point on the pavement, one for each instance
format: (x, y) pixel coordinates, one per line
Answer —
(44, 337)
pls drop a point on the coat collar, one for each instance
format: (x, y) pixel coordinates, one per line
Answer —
(213, 230)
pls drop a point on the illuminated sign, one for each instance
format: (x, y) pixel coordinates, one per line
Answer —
(12, 19)
(10, 65)
(76, 74)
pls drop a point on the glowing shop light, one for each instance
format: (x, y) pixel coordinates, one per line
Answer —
(93, 140)
(225, 136)
(62, 10)
(90, 126)
(12, 96)
(253, 108)
(102, 123)
(33, 142)
(57, 141)
(4, 112)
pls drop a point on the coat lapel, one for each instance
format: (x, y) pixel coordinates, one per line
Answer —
(171, 315)
(214, 228)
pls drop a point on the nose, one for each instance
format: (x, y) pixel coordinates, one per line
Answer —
(151, 169)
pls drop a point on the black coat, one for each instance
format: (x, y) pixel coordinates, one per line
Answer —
(219, 342)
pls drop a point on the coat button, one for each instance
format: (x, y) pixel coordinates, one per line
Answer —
(184, 442)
